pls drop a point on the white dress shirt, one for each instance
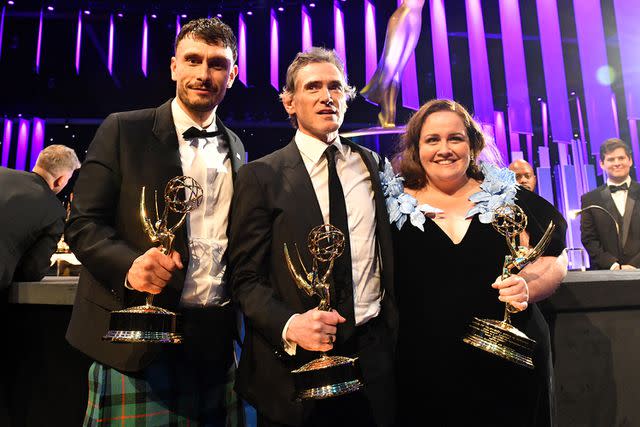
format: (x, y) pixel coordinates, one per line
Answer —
(207, 224)
(361, 217)
(620, 196)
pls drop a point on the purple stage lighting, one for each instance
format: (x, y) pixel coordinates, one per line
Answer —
(10, 2)
(281, 9)
(273, 57)
(110, 52)
(553, 69)
(370, 46)
(120, 14)
(39, 45)
(338, 31)
(6, 141)
(306, 29)
(593, 54)
(37, 141)
(145, 44)
(78, 42)
(50, 8)
(87, 12)
(154, 16)
(178, 26)
(480, 76)
(23, 142)
(249, 13)
(515, 69)
(409, 82)
(242, 49)
(2, 28)
(441, 64)
(312, 5)
(627, 18)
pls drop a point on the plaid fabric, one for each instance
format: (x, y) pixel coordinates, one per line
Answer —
(163, 395)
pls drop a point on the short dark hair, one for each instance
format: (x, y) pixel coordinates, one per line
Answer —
(613, 144)
(314, 55)
(210, 30)
(407, 156)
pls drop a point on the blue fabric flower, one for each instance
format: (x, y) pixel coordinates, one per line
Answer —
(401, 205)
(498, 188)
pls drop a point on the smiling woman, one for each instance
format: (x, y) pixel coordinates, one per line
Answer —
(455, 201)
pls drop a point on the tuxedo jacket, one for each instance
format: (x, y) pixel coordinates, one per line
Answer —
(598, 231)
(32, 220)
(275, 203)
(130, 150)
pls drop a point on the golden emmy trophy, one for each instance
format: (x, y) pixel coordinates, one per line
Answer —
(326, 376)
(148, 323)
(501, 338)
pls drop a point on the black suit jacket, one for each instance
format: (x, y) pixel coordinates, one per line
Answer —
(598, 232)
(130, 150)
(274, 203)
(32, 220)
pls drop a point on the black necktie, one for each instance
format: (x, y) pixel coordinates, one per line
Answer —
(342, 275)
(614, 188)
(194, 132)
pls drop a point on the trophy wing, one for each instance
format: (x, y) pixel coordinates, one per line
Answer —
(297, 277)
(542, 244)
(147, 224)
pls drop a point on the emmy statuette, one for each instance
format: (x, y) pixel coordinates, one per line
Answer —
(501, 338)
(148, 323)
(328, 375)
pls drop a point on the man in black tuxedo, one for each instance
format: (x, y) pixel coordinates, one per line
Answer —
(31, 215)
(167, 384)
(317, 178)
(610, 221)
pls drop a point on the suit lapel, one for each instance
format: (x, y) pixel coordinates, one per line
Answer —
(236, 150)
(632, 197)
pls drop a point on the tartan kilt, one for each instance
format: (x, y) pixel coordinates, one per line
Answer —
(162, 395)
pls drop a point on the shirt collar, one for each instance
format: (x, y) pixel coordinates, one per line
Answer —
(626, 181)
(314, 149)
(182, 121)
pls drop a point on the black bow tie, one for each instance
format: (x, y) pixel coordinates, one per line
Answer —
(614, 188)
(194, 132)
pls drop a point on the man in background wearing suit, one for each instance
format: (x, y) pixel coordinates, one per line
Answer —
(278, 200)
(525, 176)
(612, 238)
(31, 215)
(164, 385)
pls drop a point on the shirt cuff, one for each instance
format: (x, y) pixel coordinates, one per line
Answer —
(289, 347)
(615, 266)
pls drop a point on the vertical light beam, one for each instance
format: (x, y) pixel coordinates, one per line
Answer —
(338, 32)
(39, 46)
(515, 69)
(78, 41)
(480, 77)
(307, 34)
(23, 142)
(6, 141)
(178, 25)
(242, 49)
(2, 27)
(593, 60)
(110, 53)
(145, 44)
(441, 63)
(627, 18)
(370, 44)
(273, 57)
(37, 141)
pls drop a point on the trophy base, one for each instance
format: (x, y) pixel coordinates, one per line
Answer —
(327, 376)
(501, 339)
(143, 324)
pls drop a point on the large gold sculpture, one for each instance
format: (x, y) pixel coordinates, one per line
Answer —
(403, 31)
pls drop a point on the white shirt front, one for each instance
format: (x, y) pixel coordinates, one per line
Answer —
(207, 224)
(361, 216)
(620, 196)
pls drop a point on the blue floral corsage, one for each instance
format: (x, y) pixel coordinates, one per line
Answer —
(498, 188)
(401, 205)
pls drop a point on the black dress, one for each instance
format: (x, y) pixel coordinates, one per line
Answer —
(441, 286)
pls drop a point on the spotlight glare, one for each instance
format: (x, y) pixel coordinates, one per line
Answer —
(219, 15)
(154, 16)
(281, 8)
(10, 2)
(249, 13)
(120, 14)
(183, 15)
(50, 8)
(87, 12)
(312, 5)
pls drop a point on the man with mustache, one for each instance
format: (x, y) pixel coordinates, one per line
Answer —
(188, 384)
(319, 177)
